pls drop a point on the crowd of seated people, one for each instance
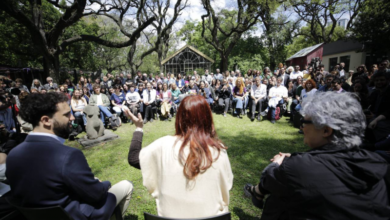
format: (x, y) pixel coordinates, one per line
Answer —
(259, 93)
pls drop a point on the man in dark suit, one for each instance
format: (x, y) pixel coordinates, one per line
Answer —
(43, 172)
(285, 77)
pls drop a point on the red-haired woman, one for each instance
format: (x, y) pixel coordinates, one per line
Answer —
(188, 174)
(239, 95)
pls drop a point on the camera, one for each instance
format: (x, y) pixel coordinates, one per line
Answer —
(315, 63)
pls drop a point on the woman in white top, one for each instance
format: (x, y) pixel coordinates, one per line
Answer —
(188, 174)
(309, 89)
(78, 103)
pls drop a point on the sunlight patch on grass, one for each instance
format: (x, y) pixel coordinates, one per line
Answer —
(251, 145)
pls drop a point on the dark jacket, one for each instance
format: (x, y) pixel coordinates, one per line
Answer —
(327, 183)
(43, 172)
(380, 102)
(223, 94)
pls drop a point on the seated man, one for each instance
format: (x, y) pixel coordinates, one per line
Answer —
(276, 96)
(43, 172)
(50, 85)
(335, 179)
(258, 95)
(133, 100)
(149, 98)
(102, 101)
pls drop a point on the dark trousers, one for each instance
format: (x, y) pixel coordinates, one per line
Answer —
(273, 110)
(258, 104)
(225, 102)
(148, 109)
(134, 108)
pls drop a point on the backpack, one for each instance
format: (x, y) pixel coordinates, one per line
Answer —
(115, 121)
(277, 114)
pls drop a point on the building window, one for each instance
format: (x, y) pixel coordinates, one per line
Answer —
(332, 63)
(345, 59)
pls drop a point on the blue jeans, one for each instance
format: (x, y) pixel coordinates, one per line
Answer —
(104, 112)
(78, 114)
(273, 110)
(239, 103)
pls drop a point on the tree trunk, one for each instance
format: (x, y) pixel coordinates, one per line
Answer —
(223, 65)
(51, 67)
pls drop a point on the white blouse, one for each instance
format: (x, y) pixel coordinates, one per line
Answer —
(176, 197)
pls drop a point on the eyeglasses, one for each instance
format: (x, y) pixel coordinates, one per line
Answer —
(303, 121)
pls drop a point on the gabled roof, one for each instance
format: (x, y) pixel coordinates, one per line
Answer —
(304, 51)
(181, 49)
(342, 46)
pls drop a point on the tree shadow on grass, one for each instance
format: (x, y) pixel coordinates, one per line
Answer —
(249, 153)
(131, 217)
(242, 215)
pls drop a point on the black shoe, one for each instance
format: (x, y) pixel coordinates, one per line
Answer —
(253, 118)
(250, 192)
(300, 131)
(240, 116)
(273, 121)
(145, 121)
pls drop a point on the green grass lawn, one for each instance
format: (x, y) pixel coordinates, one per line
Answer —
(250, 147)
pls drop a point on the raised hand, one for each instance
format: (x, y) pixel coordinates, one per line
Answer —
(139, 123)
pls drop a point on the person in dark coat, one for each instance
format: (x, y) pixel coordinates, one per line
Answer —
(333, 180)
(43, 172)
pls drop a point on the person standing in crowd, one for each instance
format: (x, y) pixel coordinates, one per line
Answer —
(180, 82)
(149, 100)
(78, 104)
(361, 90)
(218, 75)
(205, 92)
(50, 84)
(101, 100)
(36, 84)
(285, 77)
(277, 94)
(86, 94)
(258, 96)
(129, 78)
(190, 170)
(290, 93)
(223, 93)
(239, 93)
(328, 83)
(335, 179)
(361, 72)
(61, 175)
(336, 85)
(106, 83)
(374, 68)
(341, 69)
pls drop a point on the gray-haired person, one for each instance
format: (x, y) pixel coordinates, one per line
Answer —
(335, 179)
(50, 84)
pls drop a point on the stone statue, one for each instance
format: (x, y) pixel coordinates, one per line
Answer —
(94, 127)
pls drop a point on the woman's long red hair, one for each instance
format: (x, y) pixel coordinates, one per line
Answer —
(194, 123)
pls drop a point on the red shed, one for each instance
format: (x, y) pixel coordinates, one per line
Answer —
(305, 55)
